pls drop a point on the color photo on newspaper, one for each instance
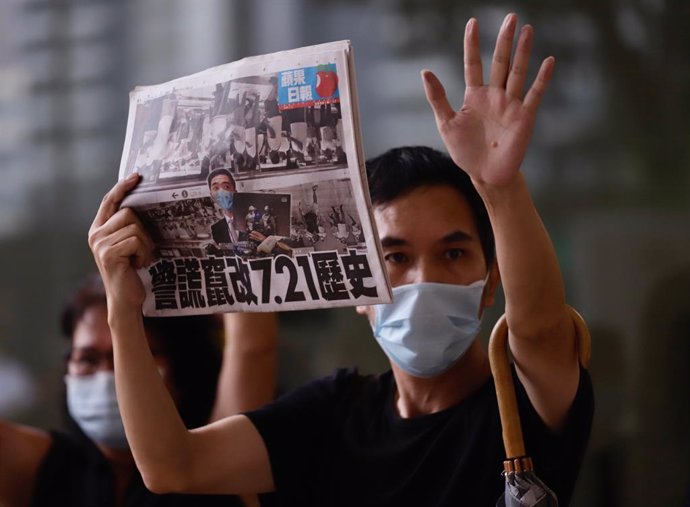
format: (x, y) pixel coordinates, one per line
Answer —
(253, 187)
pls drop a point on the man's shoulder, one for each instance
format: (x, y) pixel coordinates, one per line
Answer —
(75, 448)
(70, 458)
(219, 223)
(580, 413)
(219, 231)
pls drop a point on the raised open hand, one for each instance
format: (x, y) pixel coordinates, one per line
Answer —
(488, 136)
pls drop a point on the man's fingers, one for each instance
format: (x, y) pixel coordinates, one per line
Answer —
(144, 246)
(122, 225)
(502, 52)
(473, 57)
(518, 71)
(538, 88)
(128, 248)
(119, 220)
(127, 244)
(257, 236)
(111, 201)
(436, 96)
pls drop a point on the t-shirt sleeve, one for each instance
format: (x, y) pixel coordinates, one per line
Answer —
(296, 429)
(558, 456)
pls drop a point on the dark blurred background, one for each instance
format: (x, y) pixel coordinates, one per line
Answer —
(608, 167)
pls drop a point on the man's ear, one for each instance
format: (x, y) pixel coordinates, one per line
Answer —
(367, 311)
(489, 295)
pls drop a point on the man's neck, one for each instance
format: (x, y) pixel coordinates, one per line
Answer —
(229, 215)
(416, 396)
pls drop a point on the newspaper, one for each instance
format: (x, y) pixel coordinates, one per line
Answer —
(253, 187)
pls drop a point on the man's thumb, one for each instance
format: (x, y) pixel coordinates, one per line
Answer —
(436, 96)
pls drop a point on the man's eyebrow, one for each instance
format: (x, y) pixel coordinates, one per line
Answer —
(457, 236)
(85, 349)
(388, 241)
(453, 237)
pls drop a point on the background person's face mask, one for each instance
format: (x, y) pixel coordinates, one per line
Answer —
(429, 326)
(224, 198)
(92, 403)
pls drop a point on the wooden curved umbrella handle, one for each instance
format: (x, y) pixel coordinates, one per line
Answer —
(503, 379)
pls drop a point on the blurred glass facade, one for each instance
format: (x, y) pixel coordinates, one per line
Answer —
(609, 167)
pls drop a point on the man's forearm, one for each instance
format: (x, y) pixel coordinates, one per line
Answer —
(528, 265)
(155, 432)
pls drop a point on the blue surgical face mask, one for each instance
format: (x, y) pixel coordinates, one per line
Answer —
(429, 326)
(92, 403)
(223, 198)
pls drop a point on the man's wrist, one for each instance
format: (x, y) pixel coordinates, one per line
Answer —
(497, 196)
(123, 316)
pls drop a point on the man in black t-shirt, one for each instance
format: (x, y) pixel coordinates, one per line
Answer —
(427, 433)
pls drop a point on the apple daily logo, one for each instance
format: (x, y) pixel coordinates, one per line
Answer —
(308, 86)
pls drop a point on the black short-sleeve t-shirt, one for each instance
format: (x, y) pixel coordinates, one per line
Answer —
(74, 473)
(339, 441)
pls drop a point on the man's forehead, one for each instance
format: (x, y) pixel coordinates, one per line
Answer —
(221, 178)
(438, 212)
(456, 236)
(92, 330)
(91, 348)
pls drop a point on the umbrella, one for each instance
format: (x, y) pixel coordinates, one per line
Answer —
(523, 487)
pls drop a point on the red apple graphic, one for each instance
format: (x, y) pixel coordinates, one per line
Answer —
(326, 83)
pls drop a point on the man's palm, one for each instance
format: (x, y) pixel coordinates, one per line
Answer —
(489, 135)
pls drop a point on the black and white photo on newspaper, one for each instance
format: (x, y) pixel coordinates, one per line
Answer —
(253, 187)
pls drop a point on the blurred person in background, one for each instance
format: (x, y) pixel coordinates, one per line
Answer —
(90, 463)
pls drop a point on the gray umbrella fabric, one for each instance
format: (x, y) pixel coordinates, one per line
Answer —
(525, 489)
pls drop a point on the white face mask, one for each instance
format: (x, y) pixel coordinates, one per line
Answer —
(429, 326)
(92, 403)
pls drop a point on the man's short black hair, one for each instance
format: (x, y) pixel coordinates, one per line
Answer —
(401, 170)
(216, 172)
(192, 344)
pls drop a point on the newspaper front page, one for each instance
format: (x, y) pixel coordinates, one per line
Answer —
(253, 187)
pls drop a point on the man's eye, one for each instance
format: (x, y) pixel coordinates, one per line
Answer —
(454, 253)
(395, 257)
(86, 360)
